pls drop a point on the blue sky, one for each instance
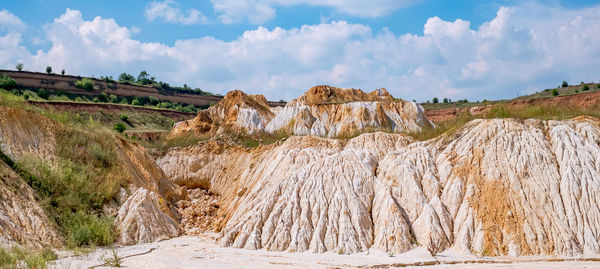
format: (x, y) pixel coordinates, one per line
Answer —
(280, 48)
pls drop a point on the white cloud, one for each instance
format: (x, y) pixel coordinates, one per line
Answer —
(169, 11)
(508, 55)
(260, 11)
(10, 22)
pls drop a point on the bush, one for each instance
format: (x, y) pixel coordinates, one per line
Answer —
(19, 67)
(85, 84)
(103, 97)
(44, 94)
(62, 72)
(96, 100)
(26, 96)
(585, 88)
(120, 127)
(564, 84)
(49, 69)
(7, 83)
(123, 117)
(555, 92)
(135, 102)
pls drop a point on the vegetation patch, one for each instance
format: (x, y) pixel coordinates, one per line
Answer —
(73, 187)
(19, 257)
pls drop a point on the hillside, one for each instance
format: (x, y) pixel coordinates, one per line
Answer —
(67, 83)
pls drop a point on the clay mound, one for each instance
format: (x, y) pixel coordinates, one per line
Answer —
(332, 112)
(493, 187)
(237, 111)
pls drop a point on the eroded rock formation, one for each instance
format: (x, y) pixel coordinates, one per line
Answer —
(141, 220)
(322, 111)
(237, 111)
(493, 187)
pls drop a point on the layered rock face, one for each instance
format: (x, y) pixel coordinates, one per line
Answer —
(493, 187)
(331, 112)
(21, 218)
(237, 111)
(322, 111)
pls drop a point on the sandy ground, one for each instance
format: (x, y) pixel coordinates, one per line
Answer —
(202, 252)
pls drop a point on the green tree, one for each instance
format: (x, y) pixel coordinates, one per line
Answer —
(144, 78)
(435, 100)
(565, 84)
(19, 67)
(585, 88)
(446, 101)
(555, 92)
(49, 69)
(124, 77)
(62, 72)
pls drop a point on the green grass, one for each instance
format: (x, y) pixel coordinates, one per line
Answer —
(16, 256)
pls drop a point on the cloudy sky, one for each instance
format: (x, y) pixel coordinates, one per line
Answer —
(417, 49)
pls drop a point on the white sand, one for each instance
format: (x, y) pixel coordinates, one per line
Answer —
(202, 252)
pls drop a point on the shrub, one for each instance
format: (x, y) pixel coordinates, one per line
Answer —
(135, 102)
(7, 83)
(555, 92)
(19, 67)
(120, 127)
(26, 96)
(564, 84)
(85, 84)
(96, 100)
(113, 98)
(435, 100)
(103, 97)
(62, 72)
(123, 117)
(585, 88)
(44, 94)
(49, 69)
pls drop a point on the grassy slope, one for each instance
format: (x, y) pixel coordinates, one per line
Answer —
(570, 90)
(84, 176)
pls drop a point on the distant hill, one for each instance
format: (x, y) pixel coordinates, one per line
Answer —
(67, 83)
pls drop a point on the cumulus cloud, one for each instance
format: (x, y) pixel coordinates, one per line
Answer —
(506, 56)
(169, 11)
(260, 11)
